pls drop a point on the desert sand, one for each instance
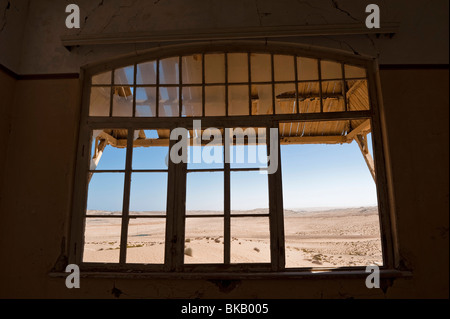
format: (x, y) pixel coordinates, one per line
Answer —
(314, 238)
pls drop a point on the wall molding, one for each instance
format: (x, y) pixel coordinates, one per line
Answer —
(43, 76)
(256, 32)
(66, 76)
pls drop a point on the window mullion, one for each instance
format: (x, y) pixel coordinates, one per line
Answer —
(126, 198)
(275, 208)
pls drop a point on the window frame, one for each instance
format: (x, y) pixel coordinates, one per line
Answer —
(175, 206)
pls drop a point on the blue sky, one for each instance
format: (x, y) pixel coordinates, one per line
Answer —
(313, 176)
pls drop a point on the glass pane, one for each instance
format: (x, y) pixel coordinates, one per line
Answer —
(122, 101)
(105, 194)
(192, 69)
(108, 149)
(250, 240)
(102, 78)
(215, 101)
(168, 71)
(146, 153)
(309, 97)
(330, 202)
(148, 195)
(204, 193)
(237, 67)
(307, 69)
(285, 98)
(168, 101)
(262, 99)
(146, 73)
(192, 101)
(146, 238)
(102, 240)
(214, 68)
(333, 99)
(261, 67)
(124, 75)
(331, 70)
(203, 240)
(354, 72)
(284, 67)
(145, 102)
(238, 100)
(249, 192)
(357, 95)
(100, 101)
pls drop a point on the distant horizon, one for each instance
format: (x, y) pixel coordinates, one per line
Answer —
(314, 176)
(209, 210)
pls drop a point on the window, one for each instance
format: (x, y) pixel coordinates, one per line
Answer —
(223, 208)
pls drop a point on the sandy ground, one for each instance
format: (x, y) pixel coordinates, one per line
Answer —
(325, 238)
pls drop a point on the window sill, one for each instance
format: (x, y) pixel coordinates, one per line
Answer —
(305, 274)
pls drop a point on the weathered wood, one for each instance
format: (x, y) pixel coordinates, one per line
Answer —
(363, 146)
(363, 128)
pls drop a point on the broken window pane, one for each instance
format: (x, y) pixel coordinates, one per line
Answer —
(329, 197)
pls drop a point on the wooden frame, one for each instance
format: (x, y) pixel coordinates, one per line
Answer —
(175, 219)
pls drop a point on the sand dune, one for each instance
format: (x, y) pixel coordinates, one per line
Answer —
(324, 238)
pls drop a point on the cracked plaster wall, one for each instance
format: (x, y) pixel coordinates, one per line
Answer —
(31, 30)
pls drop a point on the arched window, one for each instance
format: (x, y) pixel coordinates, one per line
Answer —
(189, 161)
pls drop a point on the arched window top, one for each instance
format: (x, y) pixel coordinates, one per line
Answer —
(223, 84)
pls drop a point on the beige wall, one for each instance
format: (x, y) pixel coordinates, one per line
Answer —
(36, 198)
(7, 85)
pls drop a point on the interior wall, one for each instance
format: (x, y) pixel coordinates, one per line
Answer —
(7, 84)
(36, 202)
